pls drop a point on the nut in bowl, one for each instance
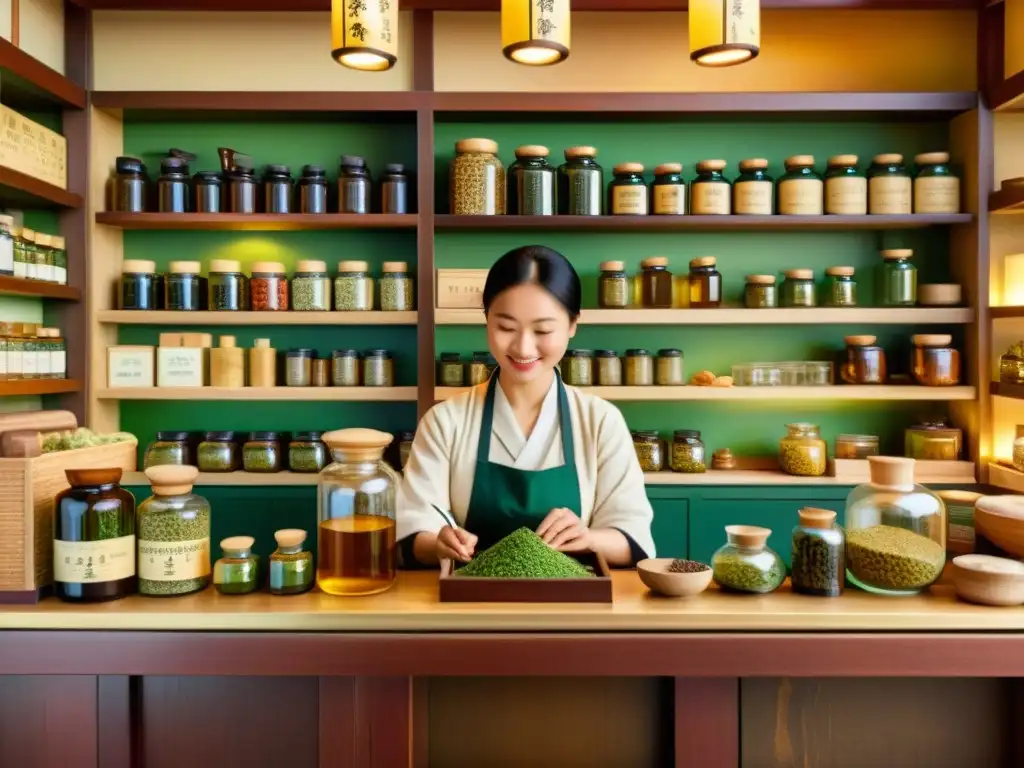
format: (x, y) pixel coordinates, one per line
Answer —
(674, 578)
(989, 580)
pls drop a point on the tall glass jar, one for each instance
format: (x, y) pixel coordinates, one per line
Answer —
(656, 283)
(759, 292)
(580, 183)
(819, 554)
(801, 189)
(889, 186)
(531, 183)
(798, 288)
(840, 287)
(140, 285)
(277, 188)
(639, 368)
(895, 531)
(396, 287)
(864, 362)
(94, 537)
(173, 534)
(60, 260)
(129, 186)
(746, 563)
(710, 192)
(705, 283)
(802, 452)
(313, 189)
(353, 287)
(627, 194)
(355, 188)
(668, 192)
(753, 191)
(936, 361)
(688, 454)
(173, 186)
(899, 278)
(933, 440)
(228, 287)
(184, 287)
(613, 286)
(846, 188)
(311, 287)
(44, 258)
(356, 512)
(237, 572)
(936, 187)
(291, 567)
(24, 253)
(477, 179)
(268, 287)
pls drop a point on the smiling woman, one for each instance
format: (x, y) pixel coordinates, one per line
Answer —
(523, 449)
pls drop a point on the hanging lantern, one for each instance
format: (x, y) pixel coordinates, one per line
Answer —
(724, 32)
(364, 34)
(535, 32)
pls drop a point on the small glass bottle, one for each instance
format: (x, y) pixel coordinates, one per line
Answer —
(311, 287)
(801, 189)
(129, 186)
(355, 188)
(531, 183)
(277, 189)
(353, 287)
(173, 186)
(627, 194)
(207, 191)
(840, 287)
(236, 573)
(168, 448)
(396, 287)
(705, 283)
(298, 367)
(759, 292)
(578, 368)
(639, 368)
(378, 369)
(936, 187)
(864, 361)
(480, 366)
(668, 192)
(656, 283)
(889, 186)
(261, 452)
(291, 568)
(320, 375)
(451, 371)
(746, 563)
(688, 454)
(668, 369)
(307, 452)
(580, 183)
(936, 361)
(753, 191)
(650, 451)
(798, 288)
(268, 287)
(140, 285)
(899, 278)
(345, 368)
(802, 452)
(394, 189)
(227, 286)
(218, 453)
(819, 554)
(476, 179)
(608, 367)
(710, 192)
(184, 287)
(613, 286)
(313, 189)
(846, 187)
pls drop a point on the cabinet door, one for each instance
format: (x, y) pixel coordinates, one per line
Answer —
(670, 527)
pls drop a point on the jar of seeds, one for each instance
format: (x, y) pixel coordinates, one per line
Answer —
(291, 568)
(650, 451)
(298, 367)
(798, 288)
(307, 452)
(218, 452)
(613, 286)
(669, 368)
(688, 453)
(262, 452)
(760, 292)
(168, 448)
(477, 179)
(819, 554)
(268, 287)
(840, 287)
(746, 563)
(320, 372)
(480, 367)
(451, 371)
(608, 367)
(236, 573)
(578, 367)
(639, 368)
(378, 369)
(802, 452)
(345, 368)
(228, 287)
(353, 287)
(396, 287)
(184, 288)
(311, 287)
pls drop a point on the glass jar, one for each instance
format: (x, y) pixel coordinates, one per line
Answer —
(218, 453)
(477, 179)
(451, 371)
(320, 372)
(353, 287)
(345, 368)
(480, 366)
(608, 368)
(206, 187)
(1011, 365)
(864, 362)
(846, 188)
(268, 287)
(228, 287)
(840, 287)
(44, 258)
(580, 183)
(936, 188)
(650, 451)
(172, 186)
(311, 287)
(531, 183)
(933, 440)
(241, 185)
(819, 554)
(753, 191)
(710, 192)
(656, 283)
(405, 447)
(627, 194)
(93, 537)
(899, 278)
(856, 446)
(936, 362)
(307, 452)
(60, 261)
(313, 189)
(746, 563)
(261, 452)
(356, 510)
(613, 286)
(889, 186)
(895, 531)
(688, 452)
(298, 367)
(802, 452)
(184, 288)
(277, 189)
(801, 190)
(668, 369)
(173, 530)
(140, 285)
(378, 369)
(639, 368)
(668, 192)
(759, 292)
(1017, 454)
(24, 256)
(168, 448)
(396, 287)
(798, 288)
(237, 572)
(394, 189)
(705, 283)
(355, 188)
(291, 568)
(578, 367)
(129, 186)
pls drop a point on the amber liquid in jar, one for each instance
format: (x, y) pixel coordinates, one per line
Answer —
(357, 555)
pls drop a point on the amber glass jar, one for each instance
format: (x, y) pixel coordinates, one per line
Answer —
(889, 186)
(840, 287)
(705, 283)
(613, 286)
(760, 292)
(936, 361)
(864, 361)
(753, 192)
(477, 179)
(936, 188)
(668, 192)
(846, 188)
(710, 192)
(650, 451)
(801, 189)
(627, 194)
(656, 291)
(856, 446)
(798, 288)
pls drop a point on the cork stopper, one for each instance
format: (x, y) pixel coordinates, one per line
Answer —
(353, 266)
(390, 267)
(843, 160)
(42, 239)
(840, 271)
(268, 268)
(747, 536)
(703, 261)
(895, 473)
(667, 168)
(172, 479)
(28, 234)
(289, 538)
(261, 344)
(711, 165)
(932, 340)
(753, 164)
(186, 267)
(800, 161)
(311, 265)
(225, 265)
(612, 266)
(532, 150)
(932, 158)
(897, 253)
(761, 279)
(59, 243)
(814, 517)
(357, 443)
(860, 341)
(799, 274)
(888, 159)
(629, 168)
(228, 342)
(237, 544)
(138, 267)
(654, 261)
(1002, 506)
(574, 152)
(477, 145)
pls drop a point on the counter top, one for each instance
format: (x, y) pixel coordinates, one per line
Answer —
(412, 606)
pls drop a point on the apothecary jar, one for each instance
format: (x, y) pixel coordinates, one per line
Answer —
(356, 512)
(745, 563)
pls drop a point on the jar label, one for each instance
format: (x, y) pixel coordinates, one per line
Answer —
(43, 362)
(629, 200)
(709, 197)
(6, 255)
(29, 363)
(889, 195)
(174, 560)
(79, 562)
(846, 196)
(753, 197)
(801, 197)
(937, 194)
(670, 199)
(15, 360)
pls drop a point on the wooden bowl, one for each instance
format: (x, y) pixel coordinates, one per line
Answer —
(939, 294)
(1000, 519)
(656, 577)
(989, 580)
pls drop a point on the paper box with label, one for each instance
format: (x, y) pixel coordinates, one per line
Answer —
(130, 366)
(182, 366)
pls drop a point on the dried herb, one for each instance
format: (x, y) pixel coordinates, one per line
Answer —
(524, 555)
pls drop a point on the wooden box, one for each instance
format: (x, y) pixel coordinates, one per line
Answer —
(461, 288)
(470, 589)
(28, 488)
(30, 148)
(858, 471)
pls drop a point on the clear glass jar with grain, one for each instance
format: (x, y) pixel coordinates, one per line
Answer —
(396, 287)
(578, 367)
(311, 287)
(639, 368)
(451, 372)
(613, 286)
(856, 446)
(650, 451)
(608, 368)
(668, 369)
(378, 368)
(802, 452)
(477, 179)
(353, 287)
(687, 452)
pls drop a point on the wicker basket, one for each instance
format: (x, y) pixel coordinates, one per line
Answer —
(28, 488)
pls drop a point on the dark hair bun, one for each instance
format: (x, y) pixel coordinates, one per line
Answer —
(540, 265)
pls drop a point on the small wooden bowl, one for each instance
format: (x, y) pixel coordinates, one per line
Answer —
(656, 577)
(939, 294)
(989, 580)
(1000, 519)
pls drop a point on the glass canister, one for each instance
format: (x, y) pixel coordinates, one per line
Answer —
(802, 452)
(668, 192)
(378, 368)
(311, 287)
(613, 286)
(451, 372)
(298, 367)
(798, 288)
(140, 285)
(819, 554)
(477, 179)
(261, 452)
(218, 453)
(936, 188)
(840, 287)
(668, 368)
(895, 531)
(405, 447)
(746, 563)
(268, 287)
(578, 367)
(627, 194)
(705, 283)
(753, 191)
(355, 188)
(899, 278)
(656, 283)
(759, 292)
(228, 287)
(639, 368)
(856, 446)
(889, 186)
(846, 188)
(650, 451)
(291, 567)
(580, 183)
(241, 186)
(129, 186)
(172, 186)
(710, 192)
(396, 287)
(936, 361)
(608, 368)
(206, 191)
(184, 287)
(688, 454)
(531, 183)
(237, 572)
(353, 287)
(168, 448)
(173, 534)
(480, 366)
(313, 189)
(356, 512)
(801, 190)
(864, 362)
(320, 372)
(394, 189)
(94, 537)
(345, 368)
(277, 189)
(933, 440)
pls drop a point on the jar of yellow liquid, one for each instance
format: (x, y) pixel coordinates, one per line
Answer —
(356, 511)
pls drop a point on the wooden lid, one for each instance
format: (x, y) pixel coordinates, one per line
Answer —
(989, 564)
(888, 159)
(615, 266)
(311, 265)
(358, 443)
(28, 234)
(840, 271)
(42, 239)
(654, 261)
(225, 265)
(290, 537)
(897, 253)
(237, 543)
(186, 267)
(1002, 506)
(843, 160)
(268, 267)
(932, 340)
(573, 152)
(353, 266)
(932, 158)
(138, 267)
(228, 342)
(532, 150)
(58, 243)
(813, 517)
(477, 145)
(748, 536)
(629, 168)
(172, 479)
(959, 497)
(711, 165)
(753, 164)
(395, 266)
(761, 279)
(668, 168)
(799, 274)
(860, 341)
(90, 476)
(800, 161)
(894, 472)
(261, 344)
(703, 261)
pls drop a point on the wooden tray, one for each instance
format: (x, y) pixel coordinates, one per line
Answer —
(472, 589)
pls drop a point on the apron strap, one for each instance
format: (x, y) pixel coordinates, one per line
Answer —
(483, 446)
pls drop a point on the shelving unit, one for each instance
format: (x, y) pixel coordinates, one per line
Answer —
(258, 222)
(288, 394)
(130, 317)
(16, 286)
(733, 223)
(18, 189)
(828, 393)
(23, 387)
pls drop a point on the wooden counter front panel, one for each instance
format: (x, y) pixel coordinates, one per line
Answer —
(48, 721)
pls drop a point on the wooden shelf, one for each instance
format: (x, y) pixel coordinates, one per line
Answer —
(257, 222)
(303, 394)
(836, 393)
(27, 83)
(1007, 200)
(236, 478)
(156, 103)
(696, 223)
(740, 316)
(24, 387)
(1013, 391)
(17, 286)
(1004, 477)
(128, 317)
(19, 189)
(1008, 96)
(1000, 313)
(770, 477)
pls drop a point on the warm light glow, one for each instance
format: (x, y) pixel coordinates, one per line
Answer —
(1013, 280)
(364, 34)
(724, 33)
(535, 32)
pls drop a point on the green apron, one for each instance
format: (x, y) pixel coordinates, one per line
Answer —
(505, 499)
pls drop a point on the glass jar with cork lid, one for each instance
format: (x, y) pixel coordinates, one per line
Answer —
(798, 288)
(291, 567)
(936, 360)
(477, 179)
(311, 287)
(819, 554)
(627, 194)
(184, 288)
(228, 287)
(613, 286)
(236, 573)
(899, 278)
(864, 361)
(846, 187)
(889, 186)
(746, 563)
(396, 287)
(801, 190)
(580, 183)
(753, 191)
(668, 192)
(710, 191)
(705, 283)
(531, 183)
(759, 292)
(140, 285)
(936, 187)
(656, 283)
(268, 287)
(353, 287)
(840, 287)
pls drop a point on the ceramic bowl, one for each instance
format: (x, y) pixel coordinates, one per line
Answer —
(939, 294)
(1000, 519)
(989, 580)
(656, 577)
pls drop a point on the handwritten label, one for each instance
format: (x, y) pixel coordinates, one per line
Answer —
(753, 197)
(81, 562)
(709, 197)
(174, 560)
(801, 197)
(889, 195)
(631, 200)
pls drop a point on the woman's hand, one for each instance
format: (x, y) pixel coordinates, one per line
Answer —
(563, 530)
(455, 544)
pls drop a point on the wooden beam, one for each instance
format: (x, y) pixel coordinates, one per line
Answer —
(27, 80)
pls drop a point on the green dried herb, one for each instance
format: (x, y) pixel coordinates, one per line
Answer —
(893, 558)
(748, 573)
(524, 555)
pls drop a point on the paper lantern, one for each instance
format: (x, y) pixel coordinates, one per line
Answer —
(724, 32)
(535, 32)
(364, 34)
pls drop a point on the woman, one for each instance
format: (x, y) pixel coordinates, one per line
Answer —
(523, 449)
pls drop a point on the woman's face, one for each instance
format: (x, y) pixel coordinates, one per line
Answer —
(528, 332)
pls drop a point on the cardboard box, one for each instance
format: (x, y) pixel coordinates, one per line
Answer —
(130, 366)
(461, 288)
(30, 148)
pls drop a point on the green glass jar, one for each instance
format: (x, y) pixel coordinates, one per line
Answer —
(262, 452)
(218, 452)
(899, 278)
(580, 183)
(627, 194)
(650, 451)
(846, 187)
(531, 183)
(668, 192)
(801, 189)
(889, 186)
(936, 187)
(710, 192)
(168, 448)
(840, 287)
(753, 192)
(236, 573)
(613, 286)
(798, 288)
(760, 292)
(451, 370)
(307, 452)
(291, 568)
(688, 454)
(578, 367)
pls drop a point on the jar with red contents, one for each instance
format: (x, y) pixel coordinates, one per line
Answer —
(268, 287)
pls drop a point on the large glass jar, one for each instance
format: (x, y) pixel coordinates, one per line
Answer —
(759, 292)
(933, 440)
(639, 368)
(668, 368)
(356, 512)
(936, 361)
(889, 186)
(168, 448)
(578, 367)
(819, 554)
(311, 287)
(798, 288)
(668, 192)
(650, 451)
(687, 453)
(353, 287)
(746, 563)
(140, 285)
(705, 283)
(710, 192)
(801, 189)
(228, 287)
(174, 534)
(93, 537)
(262, 452)
(627, 194)
(608, 368)
(895, 531)
(291, 567)
(184, 288)
(218, 453)
(129, 186)
(237, 572)
(936, 188)
(846, 188)
(531, 183)
(277, 189)
(477, 179)
(656, 283)
(840, 287)
(613, 286)
(580, 183)
(753, 192)
(899, 278)
(396, 287)
(802, 451)
(864, 362)
(268, 287)
(355, 188)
